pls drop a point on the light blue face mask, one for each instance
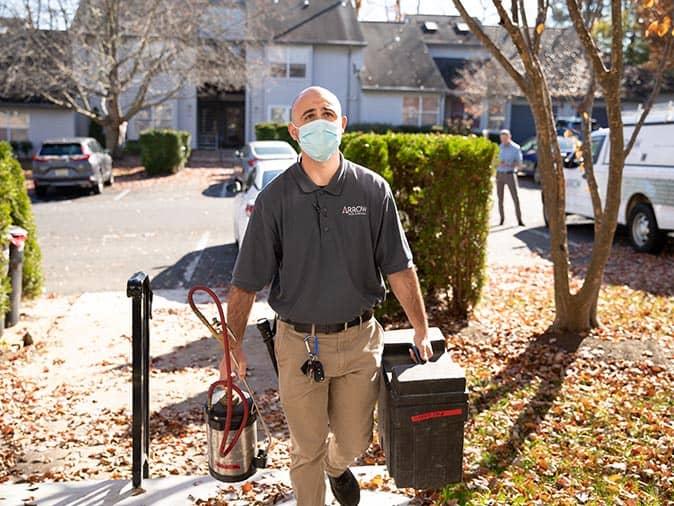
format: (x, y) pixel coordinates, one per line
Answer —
(320, 138)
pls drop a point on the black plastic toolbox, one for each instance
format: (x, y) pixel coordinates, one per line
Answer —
(422, 412)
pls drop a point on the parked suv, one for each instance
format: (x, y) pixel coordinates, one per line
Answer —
(74, 161)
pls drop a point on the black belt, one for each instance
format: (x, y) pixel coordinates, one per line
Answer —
(328, 328)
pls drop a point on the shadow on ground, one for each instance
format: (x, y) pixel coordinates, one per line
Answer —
(219, 188)
(211, 266)
(547, 358)
(625, 266)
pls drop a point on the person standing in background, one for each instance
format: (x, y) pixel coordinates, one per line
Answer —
(510, 159)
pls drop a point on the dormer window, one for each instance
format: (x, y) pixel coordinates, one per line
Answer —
(430, 26)
(462, 28)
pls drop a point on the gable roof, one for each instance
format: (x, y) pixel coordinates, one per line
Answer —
(396, 58)
(449, 30)
(305, 21)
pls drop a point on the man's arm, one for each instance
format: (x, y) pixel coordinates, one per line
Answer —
(239, 305)
(405, 286)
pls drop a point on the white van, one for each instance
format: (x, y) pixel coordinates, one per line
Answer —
(647, 196)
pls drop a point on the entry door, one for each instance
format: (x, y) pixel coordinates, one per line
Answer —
(232, 127)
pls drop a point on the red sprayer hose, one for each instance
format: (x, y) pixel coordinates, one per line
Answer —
(230, 386)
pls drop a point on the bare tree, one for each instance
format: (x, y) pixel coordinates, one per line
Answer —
(574, 312)
(110, 59)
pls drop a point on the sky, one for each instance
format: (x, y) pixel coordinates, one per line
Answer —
(382, 10)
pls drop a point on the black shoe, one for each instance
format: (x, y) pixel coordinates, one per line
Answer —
(500, 222)
(521, 223)
(345, 488)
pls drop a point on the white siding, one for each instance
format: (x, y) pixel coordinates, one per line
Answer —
(49, 123)
(333, 69)
(387, 106)
(381, 107)
(187, 113)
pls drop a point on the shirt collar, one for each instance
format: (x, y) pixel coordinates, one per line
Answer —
(305, 183)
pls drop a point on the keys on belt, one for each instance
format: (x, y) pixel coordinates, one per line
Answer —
(329, 328)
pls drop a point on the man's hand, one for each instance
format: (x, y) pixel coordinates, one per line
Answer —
(423, 343)
(240, 357)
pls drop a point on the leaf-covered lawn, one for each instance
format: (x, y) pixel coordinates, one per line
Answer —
(546, 426)
(595, 426)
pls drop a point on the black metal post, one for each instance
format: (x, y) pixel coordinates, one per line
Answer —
(138, 287)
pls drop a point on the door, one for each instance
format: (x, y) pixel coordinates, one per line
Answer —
(232, 127)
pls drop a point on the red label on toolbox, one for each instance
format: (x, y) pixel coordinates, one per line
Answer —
(227, 466)
(436, 414)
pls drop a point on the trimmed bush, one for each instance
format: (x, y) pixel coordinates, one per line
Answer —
(6, 190)
(275, 132)
(442, 185)
(132, 147)
(164, 151)
(13, 195)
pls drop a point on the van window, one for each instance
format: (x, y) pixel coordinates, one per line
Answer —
(597, 143)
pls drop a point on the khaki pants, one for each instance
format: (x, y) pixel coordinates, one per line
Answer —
(510, 180)
(330, 422)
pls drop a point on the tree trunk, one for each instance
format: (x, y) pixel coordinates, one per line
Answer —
(115, 133)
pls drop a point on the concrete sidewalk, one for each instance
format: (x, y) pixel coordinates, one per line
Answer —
(73, 445)
(273, 485)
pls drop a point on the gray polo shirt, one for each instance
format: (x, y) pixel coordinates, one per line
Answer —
(324, 249)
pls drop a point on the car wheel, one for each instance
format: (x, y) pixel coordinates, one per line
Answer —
(98, 186)
(111, 179)
(41, 191)
(645, 236)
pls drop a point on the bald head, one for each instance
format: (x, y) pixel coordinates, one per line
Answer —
(315, 102)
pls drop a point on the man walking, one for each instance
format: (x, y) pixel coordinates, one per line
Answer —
(324, 233)
(510, 159)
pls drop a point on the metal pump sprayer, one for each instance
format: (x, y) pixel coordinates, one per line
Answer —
(231, 420)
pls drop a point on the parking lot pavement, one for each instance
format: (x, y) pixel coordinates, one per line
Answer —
(178, 229)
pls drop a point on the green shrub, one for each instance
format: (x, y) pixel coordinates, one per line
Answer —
(132, 147)
(13, 194)
(6, 190)
(442, 185)
(164, 151)
(275, 132)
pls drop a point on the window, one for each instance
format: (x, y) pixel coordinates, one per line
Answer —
(61, 149)
(420, 110)
(268, 176)
(157, 116)
(278, 114)
(287, 62)
(14, 125)
(597, 143)
(297, 70)
(281, 150)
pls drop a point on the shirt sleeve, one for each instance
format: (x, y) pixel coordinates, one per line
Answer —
(392, 252)
(259, 251)
(518, 155)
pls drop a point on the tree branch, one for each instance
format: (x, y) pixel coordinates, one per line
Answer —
(491, 47)
(586, 39)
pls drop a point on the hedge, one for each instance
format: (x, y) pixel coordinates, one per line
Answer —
(164, 151)
(279, 131)
(14, 200)
(275, 132)
(442, 185)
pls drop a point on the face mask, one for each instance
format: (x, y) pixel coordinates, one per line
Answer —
(320, 138)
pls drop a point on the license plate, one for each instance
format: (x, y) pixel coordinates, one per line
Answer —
(61, 172)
